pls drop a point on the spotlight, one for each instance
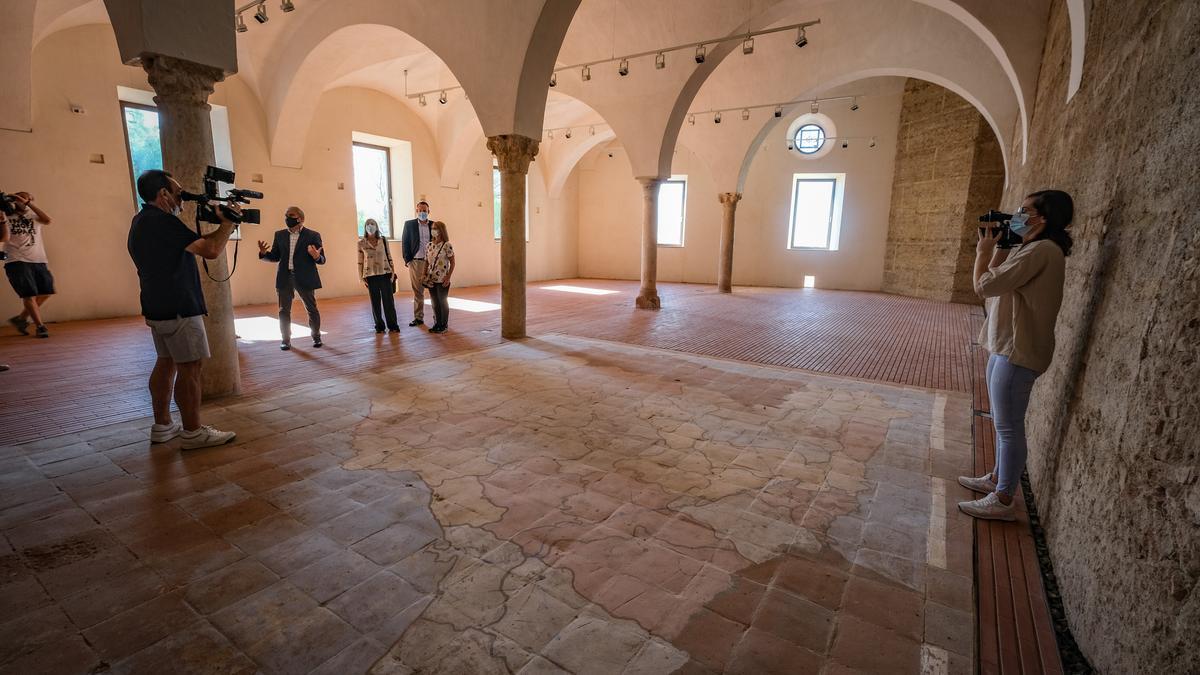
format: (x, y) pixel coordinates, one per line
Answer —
(854, 103)
(568, 134)
(845, 144)
(286, 5)
(717, 118)
(779, 111)
(421, 99)
(241, 24)
(591, 131)
(801, 38)
(586, 73)
(550, 134)
(815, 107)
(692, 120)
(442, 98)
(745, 113)
(553, 79)
(791, 145)
(872, 142)
(748, 46)
(660, 61)
(623, 69)
(700, 51)
(260, 14)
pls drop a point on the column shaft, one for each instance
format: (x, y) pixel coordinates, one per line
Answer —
(648, 294)
(182, 89)
(513, 155)
(729, 201)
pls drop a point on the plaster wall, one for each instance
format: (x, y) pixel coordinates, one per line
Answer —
(610, 203)
(1113, 423)
(92, 203)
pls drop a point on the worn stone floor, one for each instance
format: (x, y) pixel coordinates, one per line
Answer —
(552, 505)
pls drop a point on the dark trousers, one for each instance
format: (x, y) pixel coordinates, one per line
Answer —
(383, 300)
(439, 296)
(287, 293)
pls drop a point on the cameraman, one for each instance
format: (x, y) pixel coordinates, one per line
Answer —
(164, 250)
(1022, 294)
(26, 264)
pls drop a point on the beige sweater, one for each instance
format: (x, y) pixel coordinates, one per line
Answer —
(1022, 297)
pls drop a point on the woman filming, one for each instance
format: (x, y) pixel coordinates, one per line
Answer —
(439, 266)
(1022, 294)
(378, 275)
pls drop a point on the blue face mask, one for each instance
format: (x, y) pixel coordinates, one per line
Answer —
(1019, 224)
(422, 216)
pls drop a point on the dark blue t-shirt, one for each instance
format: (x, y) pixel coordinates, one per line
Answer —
(167, 272)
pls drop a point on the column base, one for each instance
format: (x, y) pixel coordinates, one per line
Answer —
(724, 289)
(513, 335)
(648, 301)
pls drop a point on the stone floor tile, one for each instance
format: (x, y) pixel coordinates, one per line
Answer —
(534, 617)
(795, 620)
(206, 557)
(709, 639)
(300, 551)
(369, 604)
(947, 588)
(62, 524)
(291, 495)
(26, 492)
(237, 515)
(950, 629)
(228, 585)
(23, 514)
(762, 653)
(266, 533)
(810, 579)
(100, 601)
(25, 634)
(740, 601)
(336, 478)
(865, 647)
(197, 648)
(248, 620)
(393, 543)
(65, 654)
(592, 645)
(886, 604)
(323, 509)
(332, 575)
(303, 642)
(139, 627)
(358, 657)
(63, 453)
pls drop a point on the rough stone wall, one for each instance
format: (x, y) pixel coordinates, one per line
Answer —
(949, 169)
(1114, 423)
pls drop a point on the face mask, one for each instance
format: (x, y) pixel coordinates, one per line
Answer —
(422, 216)
(1019, 224)
(291, 222)
(371, 229)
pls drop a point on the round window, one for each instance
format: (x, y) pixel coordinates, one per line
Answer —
(809, 138)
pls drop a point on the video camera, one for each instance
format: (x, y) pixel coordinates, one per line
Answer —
(1008, 239)
(8, 204)
(208, 203)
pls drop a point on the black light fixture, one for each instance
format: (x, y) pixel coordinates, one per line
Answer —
(591, 131)
(854, 103)
(745, 113)
(660, 61)
(260, 14)
(872, 144)
(568, 134)
(748, 46)
(779, 111)
(286, 5)
(623, 68)
(421, 99)
(553, 79)
(801, 38)
(692, 120)
(815, 107)
(845, 144)
(700, 53)
(241, 24)
(586, 73)
(442, 98)
(717, 118)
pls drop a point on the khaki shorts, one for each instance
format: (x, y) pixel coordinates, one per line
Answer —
(182, 340)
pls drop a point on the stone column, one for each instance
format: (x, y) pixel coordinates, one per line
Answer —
(513, 155)
(182, 89)
(729, 201)
(648, 294)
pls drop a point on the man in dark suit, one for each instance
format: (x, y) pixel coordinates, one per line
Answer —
(298, 251)
(412, 244)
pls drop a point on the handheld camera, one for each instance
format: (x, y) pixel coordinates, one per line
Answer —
(211, 199)
(999, 221)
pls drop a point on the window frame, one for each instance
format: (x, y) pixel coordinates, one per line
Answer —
(129, 149)
(833, 232)
(387, 161)
(681, 179)
(796, 139)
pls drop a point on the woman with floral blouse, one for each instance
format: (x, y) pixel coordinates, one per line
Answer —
(439, 266)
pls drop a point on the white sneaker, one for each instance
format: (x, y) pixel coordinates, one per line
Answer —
(204, 437)
(161, 433)
(982, 484)
(988, 508)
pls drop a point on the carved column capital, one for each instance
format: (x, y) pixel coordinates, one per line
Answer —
(729, 198)
(176, 81)
(649, 183)
(513, 152)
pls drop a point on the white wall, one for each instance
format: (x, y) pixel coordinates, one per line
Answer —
(610, 208)
(91, 203)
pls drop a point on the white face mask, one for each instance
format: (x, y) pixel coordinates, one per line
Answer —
(371, 229)
(422, 216)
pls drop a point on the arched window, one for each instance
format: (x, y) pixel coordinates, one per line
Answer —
(809, 139)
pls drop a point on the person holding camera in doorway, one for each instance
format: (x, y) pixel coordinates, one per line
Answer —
(378, 275)
(413, 242)
(26, 265)
(298, 251)
(1022, 294)
(164, 251)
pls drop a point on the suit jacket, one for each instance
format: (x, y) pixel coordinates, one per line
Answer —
(410, 240)
(305, 267)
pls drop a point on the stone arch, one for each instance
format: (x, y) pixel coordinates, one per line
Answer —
(559, 170)
(1077, 9)
(965, 93)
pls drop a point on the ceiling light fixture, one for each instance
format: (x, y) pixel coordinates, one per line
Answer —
(568, 134)
(286, 5)
(692, 120)
(845, 144)
(854, 103)
(700, 53)
(745, 113)
(815, 107)
(553, 79)
(550, 134)
(442, 98)
(801, 38)
(421, 99)
(586, 73)
(660, 61)
(717, 118)
(591, 131)
(748, 46)
(241, 24)
(260, 14)
(872, 144)
(779, 111)
(623, 69)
